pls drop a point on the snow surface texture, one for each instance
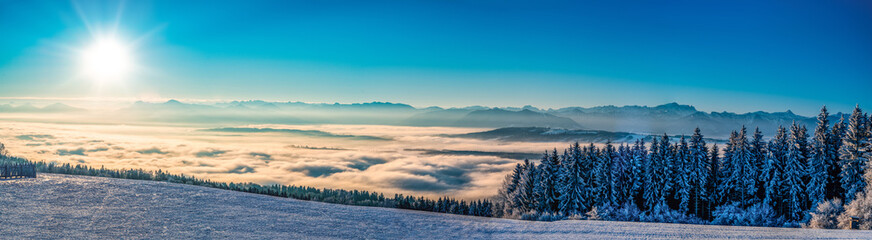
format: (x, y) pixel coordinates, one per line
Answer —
(60, 206)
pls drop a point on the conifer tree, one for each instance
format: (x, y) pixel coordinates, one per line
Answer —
(743, 175)
(820, 157)
(758, 160)
(683, 176)
(867, 176)
(546, 190)
(699, 171)
(773, 171)
(726, 181)
(605, 178)
(573, 184)
(638, 163)
(834, 183)
(853, 159)
(665, 180)
(715, 197)
(507, 194)
(621, 171)
(794, 170)
(595, 170)
(525, 199)
(651, 187)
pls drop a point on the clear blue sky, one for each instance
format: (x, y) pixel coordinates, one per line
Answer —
(717, 55)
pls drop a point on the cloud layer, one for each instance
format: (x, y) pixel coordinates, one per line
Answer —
(407, 160)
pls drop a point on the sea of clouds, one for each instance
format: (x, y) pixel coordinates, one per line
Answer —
(388, 159)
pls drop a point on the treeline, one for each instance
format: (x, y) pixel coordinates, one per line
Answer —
(17, 170)
(750, 181)
(348, 197)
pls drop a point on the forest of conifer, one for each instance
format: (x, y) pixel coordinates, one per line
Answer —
(795, 178)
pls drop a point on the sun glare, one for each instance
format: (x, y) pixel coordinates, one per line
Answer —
(107, 59)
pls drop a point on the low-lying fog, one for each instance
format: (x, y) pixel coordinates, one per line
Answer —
(389, 159)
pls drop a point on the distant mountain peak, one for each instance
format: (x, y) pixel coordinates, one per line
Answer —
(528, 111)
(676, 106)
(60, 107)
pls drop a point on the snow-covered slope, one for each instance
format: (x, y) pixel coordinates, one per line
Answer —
(60, 206)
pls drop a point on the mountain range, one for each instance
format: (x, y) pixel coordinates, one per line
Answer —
(28, 108)
(671, 118)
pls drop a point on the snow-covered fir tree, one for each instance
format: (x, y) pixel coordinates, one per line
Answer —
(714, 179)
(818, 159)
(868, 174)
(852, 155)
(525, 195)
(508, 192)
(546, 186)
(596, 173)
(638, 162)
(651, 186)
(604, 176)
(573, 183)
(683, 175)
(834, 180)
(758, 160)
(743, 175)
(666, 180)
(621, 171)
(726, 182)
(794, 171)
(773, 171)
(699, 171)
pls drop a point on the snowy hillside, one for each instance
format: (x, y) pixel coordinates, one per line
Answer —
(61, 206)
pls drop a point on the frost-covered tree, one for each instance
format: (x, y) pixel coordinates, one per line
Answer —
(758, 160)
(773, 171)
(525, 200)
(825, 214)
(860, 207)
(3, 152)
(507, 192)
(867, 177)
(638, 163)
(794, 171)
(604, 177)
(852, 157)
(546, 186)
(834, 183)
(683, 169)
(744, 170)
(653, 171)
(621, 176)
(819, 158)
(740, 183)
(593, 169)
(699, 171)
(666, 180)
(573, 183)
(726, 180)
(714, 179)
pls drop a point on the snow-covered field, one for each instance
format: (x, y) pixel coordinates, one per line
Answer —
(59, 206)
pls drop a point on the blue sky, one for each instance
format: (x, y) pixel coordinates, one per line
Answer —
(717, 55)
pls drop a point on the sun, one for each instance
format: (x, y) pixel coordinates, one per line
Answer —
(107, 59)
